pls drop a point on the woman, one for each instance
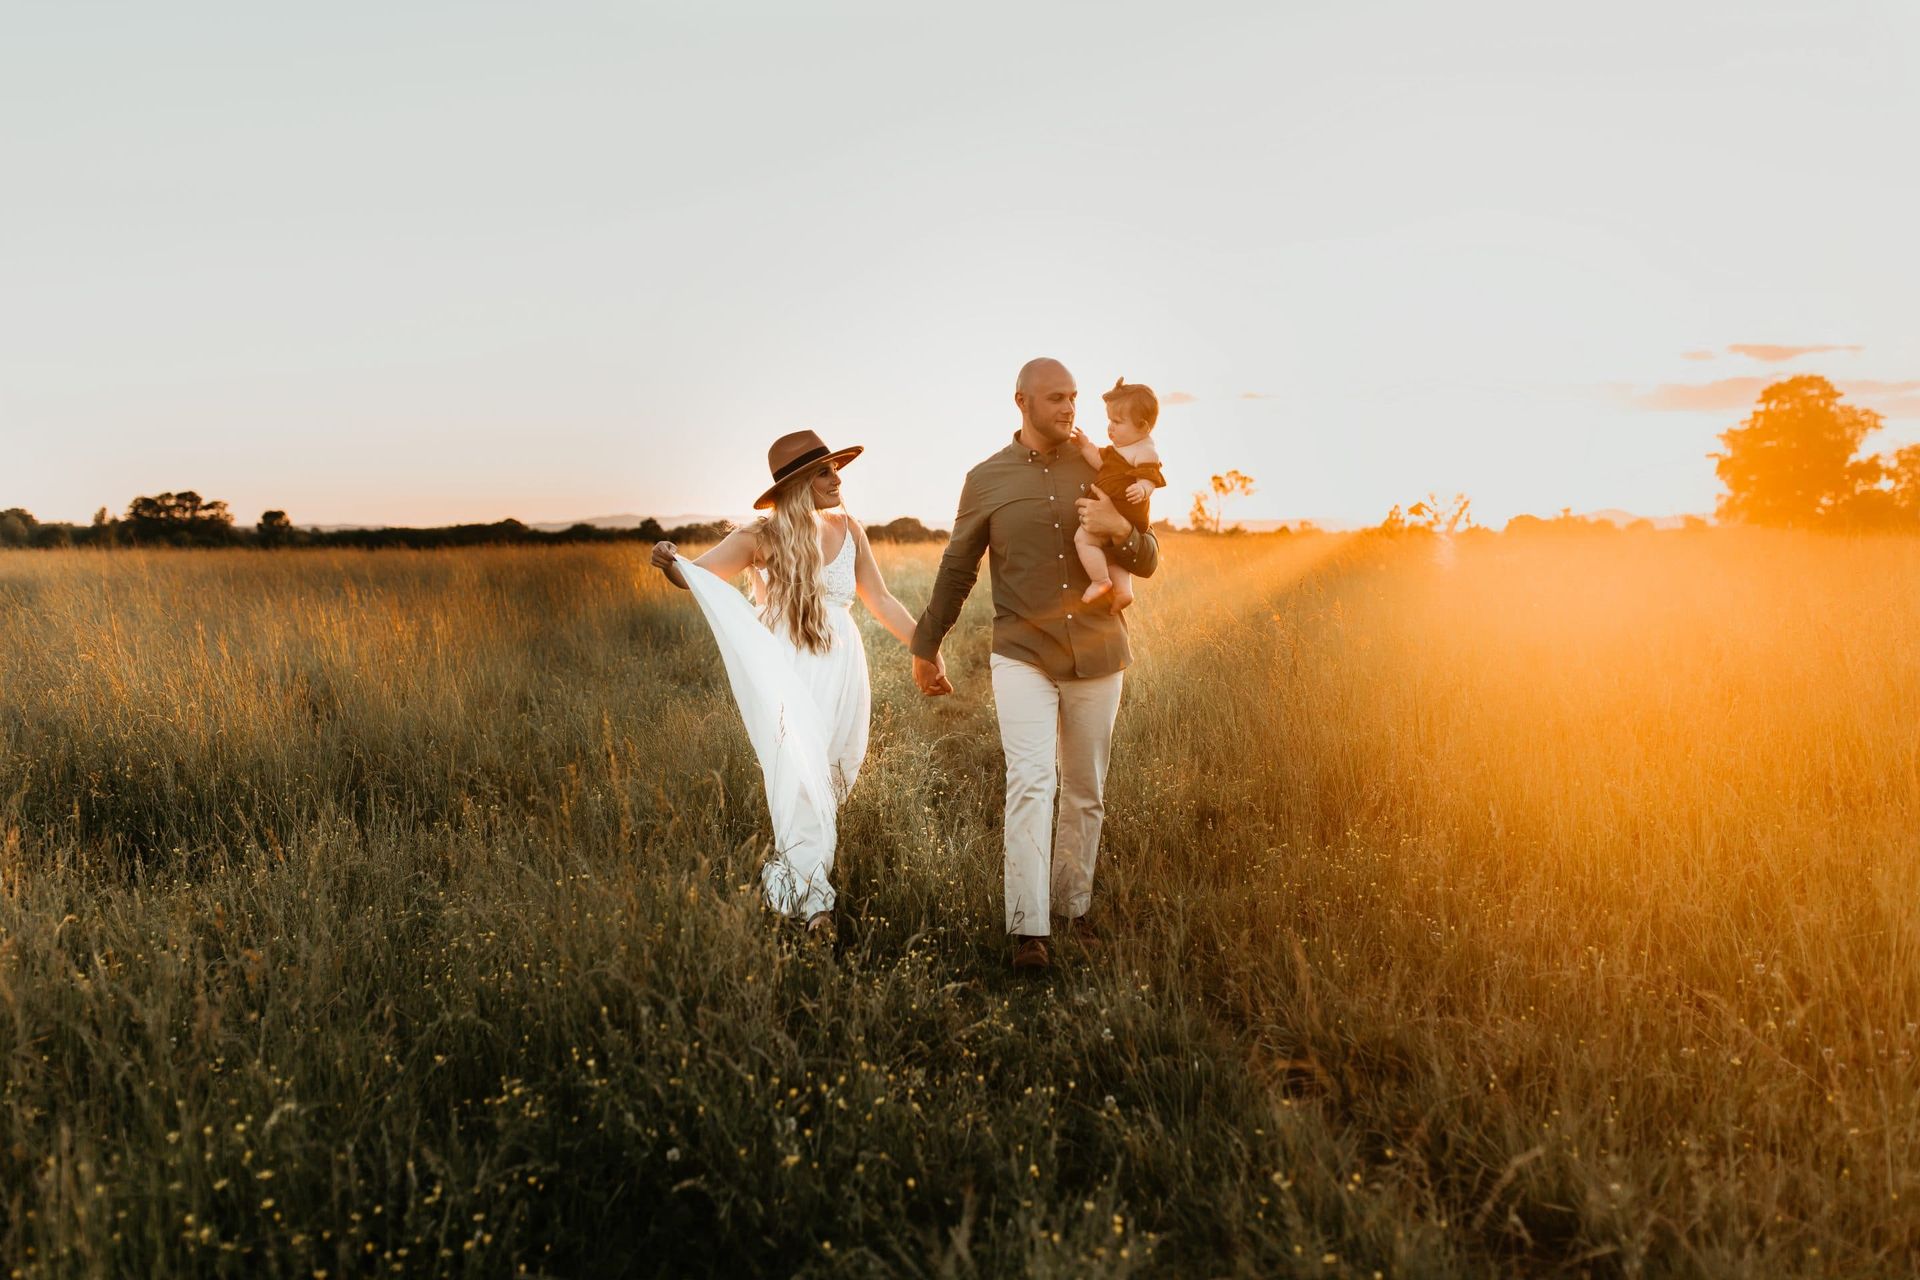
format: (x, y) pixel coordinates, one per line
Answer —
(797, 666)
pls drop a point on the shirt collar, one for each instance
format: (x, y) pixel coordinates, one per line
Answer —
(1021, 453)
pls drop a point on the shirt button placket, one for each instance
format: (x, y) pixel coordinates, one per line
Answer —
(1060, 555)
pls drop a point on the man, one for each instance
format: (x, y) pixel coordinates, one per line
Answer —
(1056, 664)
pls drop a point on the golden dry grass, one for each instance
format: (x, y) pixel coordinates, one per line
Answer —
(1551, 906)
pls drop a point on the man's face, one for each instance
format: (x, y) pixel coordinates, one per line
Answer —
(1046, 406)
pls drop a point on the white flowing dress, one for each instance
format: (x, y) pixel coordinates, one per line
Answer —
(807, 717)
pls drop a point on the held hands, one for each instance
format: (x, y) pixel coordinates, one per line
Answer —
(1099, 517)
(931, 677)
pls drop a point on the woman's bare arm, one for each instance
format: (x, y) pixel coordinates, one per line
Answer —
(729, 558)
(873, 588)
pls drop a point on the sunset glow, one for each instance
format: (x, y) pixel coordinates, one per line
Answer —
(456, 263)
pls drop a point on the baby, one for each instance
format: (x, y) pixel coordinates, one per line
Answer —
(1129, 472)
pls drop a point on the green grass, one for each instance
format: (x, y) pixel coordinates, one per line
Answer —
(1555, 908)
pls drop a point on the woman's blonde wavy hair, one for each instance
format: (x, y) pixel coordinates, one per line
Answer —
(789, 544)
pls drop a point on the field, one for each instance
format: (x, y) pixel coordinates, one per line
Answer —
(1548, 906)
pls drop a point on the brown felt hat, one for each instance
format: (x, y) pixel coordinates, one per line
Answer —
(797, 452)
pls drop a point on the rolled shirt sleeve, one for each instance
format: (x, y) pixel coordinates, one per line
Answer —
(1139, 555)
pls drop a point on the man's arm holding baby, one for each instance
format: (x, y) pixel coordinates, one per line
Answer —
(1135, 550)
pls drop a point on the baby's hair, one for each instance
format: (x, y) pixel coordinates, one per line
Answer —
(1138, 400)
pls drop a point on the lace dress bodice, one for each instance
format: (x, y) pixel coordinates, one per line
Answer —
(839, 574)
(837, 578)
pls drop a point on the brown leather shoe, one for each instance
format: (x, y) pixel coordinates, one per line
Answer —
(820, 928)
(1029, 953)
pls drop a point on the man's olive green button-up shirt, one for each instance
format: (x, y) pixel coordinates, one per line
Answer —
(1017, 506)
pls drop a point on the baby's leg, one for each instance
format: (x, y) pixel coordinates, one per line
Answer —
(1122, 588)
(1087, 547)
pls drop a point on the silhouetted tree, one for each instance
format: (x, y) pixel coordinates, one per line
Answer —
(274, 529)
(105, 531)
(1208, 514)
(179, 519)
(1791, 464)
(1442, 517)
(16, 527)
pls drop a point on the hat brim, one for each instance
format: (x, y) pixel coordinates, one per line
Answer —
(837, 459)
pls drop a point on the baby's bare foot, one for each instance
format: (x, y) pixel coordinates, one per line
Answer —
(1094, 591)
(1122, 597)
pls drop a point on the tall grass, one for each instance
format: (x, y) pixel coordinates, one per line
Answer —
(1551, 906)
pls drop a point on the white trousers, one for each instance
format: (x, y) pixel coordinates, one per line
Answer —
(1057, 734)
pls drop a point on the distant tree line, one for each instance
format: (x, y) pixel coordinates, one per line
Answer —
(1795, 462)
(185, 519)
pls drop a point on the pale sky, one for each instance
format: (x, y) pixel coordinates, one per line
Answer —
(426, 262)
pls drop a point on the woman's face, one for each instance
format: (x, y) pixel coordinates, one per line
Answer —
(826, 488)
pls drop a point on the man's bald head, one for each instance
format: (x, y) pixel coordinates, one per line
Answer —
(1035, 368)
(1045, 393)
